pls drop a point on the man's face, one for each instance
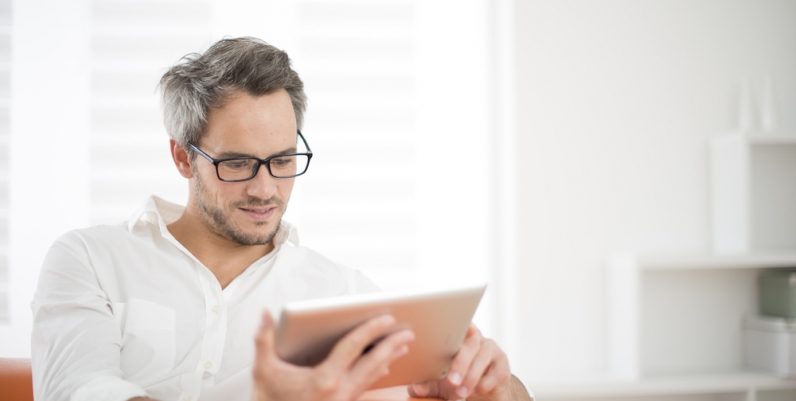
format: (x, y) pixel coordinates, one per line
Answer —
(247, 212)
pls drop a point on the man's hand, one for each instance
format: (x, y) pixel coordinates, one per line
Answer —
(344, 375)
(479, 371)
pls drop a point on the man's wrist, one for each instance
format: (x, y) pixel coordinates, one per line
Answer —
(518, 391)
(514, 390)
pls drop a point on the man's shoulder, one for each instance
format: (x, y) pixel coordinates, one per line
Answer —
(97, 248)
(89, 237)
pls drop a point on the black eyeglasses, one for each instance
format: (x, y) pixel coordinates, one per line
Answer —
(236, 169)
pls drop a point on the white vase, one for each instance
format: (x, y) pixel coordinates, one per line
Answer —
(768, 112)
(746, 121)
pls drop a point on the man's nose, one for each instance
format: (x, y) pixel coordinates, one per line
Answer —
(263, 185)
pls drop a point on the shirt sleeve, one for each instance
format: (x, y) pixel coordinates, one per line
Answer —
(76, 341)
(358, 283)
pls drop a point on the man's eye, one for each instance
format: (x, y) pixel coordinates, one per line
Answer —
(281, 161)
(236, 164)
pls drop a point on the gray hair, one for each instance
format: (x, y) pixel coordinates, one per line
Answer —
(200, 82)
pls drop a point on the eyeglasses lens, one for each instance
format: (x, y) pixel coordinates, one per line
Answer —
(280, 167)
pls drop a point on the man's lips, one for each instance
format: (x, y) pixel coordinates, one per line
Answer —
(259, 213)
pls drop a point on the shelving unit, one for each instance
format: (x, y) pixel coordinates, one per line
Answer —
(675, 320)
(675, 331)
(675, 324)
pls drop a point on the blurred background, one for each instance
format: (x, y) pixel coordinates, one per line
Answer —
(559, 150)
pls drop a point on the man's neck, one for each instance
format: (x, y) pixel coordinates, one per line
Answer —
(225, 258)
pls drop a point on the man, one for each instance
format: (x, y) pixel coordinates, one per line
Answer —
(166, 305)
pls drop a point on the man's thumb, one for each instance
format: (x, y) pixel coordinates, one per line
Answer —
(423, 390)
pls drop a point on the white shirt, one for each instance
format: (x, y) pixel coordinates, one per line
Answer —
(125, 311)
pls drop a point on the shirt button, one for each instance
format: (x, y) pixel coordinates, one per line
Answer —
(208, 365)
(216, 309)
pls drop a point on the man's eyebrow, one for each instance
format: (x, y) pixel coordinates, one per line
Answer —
(226, 155)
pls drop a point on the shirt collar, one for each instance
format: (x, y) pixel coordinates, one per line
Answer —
(160, 213)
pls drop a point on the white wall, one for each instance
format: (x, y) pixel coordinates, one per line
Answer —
(616, 101)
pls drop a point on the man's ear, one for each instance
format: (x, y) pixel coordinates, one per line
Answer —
(181, 159)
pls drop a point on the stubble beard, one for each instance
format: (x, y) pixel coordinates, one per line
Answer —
(219, 222)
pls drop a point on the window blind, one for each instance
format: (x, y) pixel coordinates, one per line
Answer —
(5, 104)
(357, 205)
(398, 118)
(132, 44)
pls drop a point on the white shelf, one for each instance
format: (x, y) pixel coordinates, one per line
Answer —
(772, 140)
(735, 382)
(712, 261)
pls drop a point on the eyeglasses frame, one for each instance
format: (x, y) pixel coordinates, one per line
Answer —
(260, 162)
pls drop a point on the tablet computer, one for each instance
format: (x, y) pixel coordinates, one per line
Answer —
(308, 330)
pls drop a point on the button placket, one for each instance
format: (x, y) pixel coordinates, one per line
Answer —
(215, 325)
(190, 387)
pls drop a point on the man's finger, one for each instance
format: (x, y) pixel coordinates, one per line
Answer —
(350, 347)
(476, 370)
(496, 375)
(429, 389)
(368, 368)
(264, 342)
(461, 362)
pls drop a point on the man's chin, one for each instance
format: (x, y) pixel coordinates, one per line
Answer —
(262, 234)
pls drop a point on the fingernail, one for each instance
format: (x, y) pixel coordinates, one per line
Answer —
(388, 320)
(407, 336)
(455, 378)
(266, 318)
(421, 389)
(461, 392)
(401, 351)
